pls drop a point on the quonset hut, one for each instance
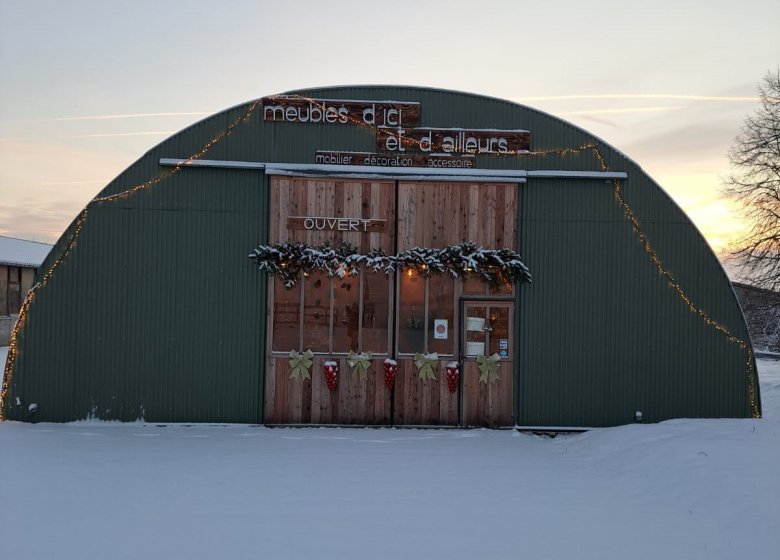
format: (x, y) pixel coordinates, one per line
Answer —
(392, 233)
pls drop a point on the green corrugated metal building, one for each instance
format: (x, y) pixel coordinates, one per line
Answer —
(148, 307)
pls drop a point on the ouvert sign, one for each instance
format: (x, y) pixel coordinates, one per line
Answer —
(400, 141)
(330, 223)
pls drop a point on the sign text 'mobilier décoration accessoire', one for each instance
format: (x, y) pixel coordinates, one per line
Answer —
(400, 141)
(434, 161)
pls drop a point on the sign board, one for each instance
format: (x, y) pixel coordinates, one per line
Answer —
(440, 329)
(299, 109)
(330, 223)
(453, 140)
(433, 161)
(399, 140)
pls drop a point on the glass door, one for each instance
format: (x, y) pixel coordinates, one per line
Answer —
(487, 355)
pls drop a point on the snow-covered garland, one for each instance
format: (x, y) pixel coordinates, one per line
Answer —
(288, 260)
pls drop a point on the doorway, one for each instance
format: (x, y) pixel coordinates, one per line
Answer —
(487, 362)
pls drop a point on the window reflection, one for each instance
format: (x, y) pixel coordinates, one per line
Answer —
(286, 320)
(441, 314)
(316, 313)
(376, 312)
(357, 325)
(411, 320)
(346, 314)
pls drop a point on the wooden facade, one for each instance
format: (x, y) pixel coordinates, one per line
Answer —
(416, 214)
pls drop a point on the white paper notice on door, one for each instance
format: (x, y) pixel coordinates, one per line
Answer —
(440, 329)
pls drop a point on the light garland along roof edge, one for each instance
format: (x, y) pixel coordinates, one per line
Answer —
(556, 144)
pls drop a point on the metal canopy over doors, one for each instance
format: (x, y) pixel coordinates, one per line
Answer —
(399, 316)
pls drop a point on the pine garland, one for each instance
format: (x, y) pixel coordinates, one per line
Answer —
(288, 260)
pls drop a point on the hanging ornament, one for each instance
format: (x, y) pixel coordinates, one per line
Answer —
(300, 364)
(453, 376)
(488, 368)
(359, 363)
(330, 370)
(391, 369)
(426, 364)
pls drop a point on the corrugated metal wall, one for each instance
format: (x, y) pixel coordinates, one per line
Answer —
(602, 335)
(158, 314)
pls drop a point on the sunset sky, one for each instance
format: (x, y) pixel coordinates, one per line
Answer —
(87, 87)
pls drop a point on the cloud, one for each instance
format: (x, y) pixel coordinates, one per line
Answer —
(622, 110)
(122, 116)
(117, 134)
(669, 96)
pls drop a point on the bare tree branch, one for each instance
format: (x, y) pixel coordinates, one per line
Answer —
(755, 184)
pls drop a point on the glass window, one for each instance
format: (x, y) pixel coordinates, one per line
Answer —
(411, 308)
(476, 335)
(346, 314)
(287, 317)
(441, 314)
(426, 309)
(316, 313)
(14, 289)
(503, 289)
(3, 290)
(499, 335)
(376, 312)
(333, 317)
(473, 285)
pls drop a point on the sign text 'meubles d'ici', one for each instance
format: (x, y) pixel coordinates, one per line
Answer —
(399, 138)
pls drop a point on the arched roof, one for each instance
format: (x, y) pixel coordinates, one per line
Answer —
(651, 282)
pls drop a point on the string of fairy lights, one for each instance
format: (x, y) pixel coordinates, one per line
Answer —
(163, 175)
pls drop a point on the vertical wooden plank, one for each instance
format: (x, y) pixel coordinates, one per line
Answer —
(335, 400)
(434, 413)
(306, 392)
(488, 231)
(281, 402)
(296, 398)
(269, 407)
(399, 389)
(473, 212)
(317, 403)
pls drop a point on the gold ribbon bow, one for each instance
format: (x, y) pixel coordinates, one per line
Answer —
(300, 364)
(425, 365)
(488, 368)
(359, 363)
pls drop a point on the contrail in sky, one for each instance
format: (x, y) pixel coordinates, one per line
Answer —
(125, 116)
(733, 98)
(631, 110)
(738, 98)
(123, 134)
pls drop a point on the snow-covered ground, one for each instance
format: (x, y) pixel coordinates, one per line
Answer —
(682, 489)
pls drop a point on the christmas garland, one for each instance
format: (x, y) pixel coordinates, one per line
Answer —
(288, 260)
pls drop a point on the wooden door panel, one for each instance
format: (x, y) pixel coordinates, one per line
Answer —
(487, 404)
